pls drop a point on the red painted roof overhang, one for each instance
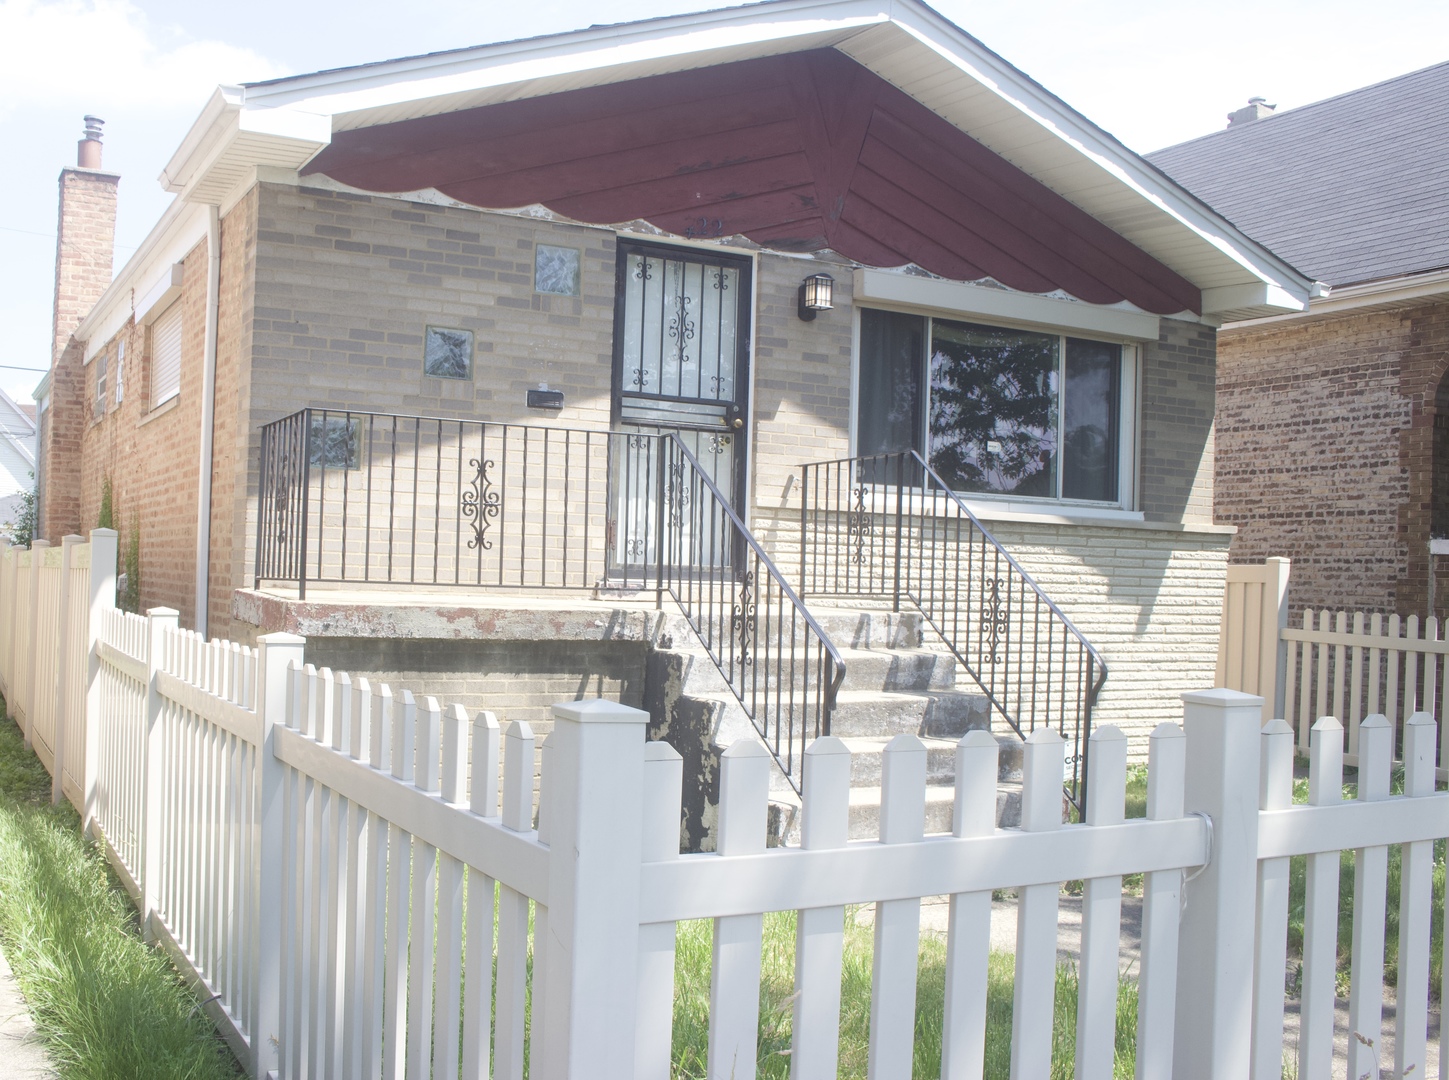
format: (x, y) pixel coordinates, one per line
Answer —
(799, 152)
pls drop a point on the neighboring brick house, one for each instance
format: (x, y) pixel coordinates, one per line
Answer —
(1333, 423)
(332, 230)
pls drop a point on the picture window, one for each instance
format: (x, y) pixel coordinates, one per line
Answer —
(993, 410)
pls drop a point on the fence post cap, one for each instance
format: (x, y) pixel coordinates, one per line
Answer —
(72, 538)
(281, 637)
(826, 744)
(599, 711)
(103, 532)
(1278, 727)
(1222, 698)
(162, 612)
(1046, 735)
(660, 751)
(1108, 733)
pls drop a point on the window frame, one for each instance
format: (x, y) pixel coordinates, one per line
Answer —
(155, 398)
(1129, 418)
(102, 363)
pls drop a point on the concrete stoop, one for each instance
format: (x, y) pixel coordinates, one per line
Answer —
(894, 684)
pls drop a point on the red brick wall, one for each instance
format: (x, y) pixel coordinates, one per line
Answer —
(1325, 448)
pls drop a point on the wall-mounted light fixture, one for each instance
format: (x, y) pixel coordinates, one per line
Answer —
(816, 295)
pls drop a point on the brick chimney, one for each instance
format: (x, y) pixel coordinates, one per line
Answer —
(84, 247)
(1256, 109)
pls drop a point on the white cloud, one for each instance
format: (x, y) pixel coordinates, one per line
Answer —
(56, 53)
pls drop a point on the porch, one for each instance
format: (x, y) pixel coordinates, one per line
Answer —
(399, 543)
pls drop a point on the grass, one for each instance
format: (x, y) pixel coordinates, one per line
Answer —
(691, 1006)
(1298, 869)
(108, 1006)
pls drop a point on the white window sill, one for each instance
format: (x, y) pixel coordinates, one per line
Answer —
(882, 501)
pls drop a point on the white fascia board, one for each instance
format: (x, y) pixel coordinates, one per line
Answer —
(955, 298)
(994, 73)
(461, 71)
(1259, 294)
(180, 229)
(202, 139)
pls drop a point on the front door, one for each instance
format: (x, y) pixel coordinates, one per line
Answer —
(681, 364)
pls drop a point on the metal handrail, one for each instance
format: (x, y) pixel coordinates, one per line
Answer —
(887, 525)
(778, 661)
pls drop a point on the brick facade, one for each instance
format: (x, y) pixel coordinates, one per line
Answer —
(324, 300)
(1326, 428)
(85, 242)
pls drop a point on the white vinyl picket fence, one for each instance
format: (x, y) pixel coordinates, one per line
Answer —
(356, 882)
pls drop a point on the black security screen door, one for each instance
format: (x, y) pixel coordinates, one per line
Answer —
(681, 364)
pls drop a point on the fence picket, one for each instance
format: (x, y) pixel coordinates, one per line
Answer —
(1416, 886)
(1370, 882)
(481, 900)
(968, 935)
(513, 910)
(663, 793)
(1036, 913)
(1320, 909)
(374, 959)
(1356, 711)
(399, 871)
(337, 873)
(424, 898)
(734, 989)
(1161, 905)
(1271, 932)
(448, 999)
(1101, 912)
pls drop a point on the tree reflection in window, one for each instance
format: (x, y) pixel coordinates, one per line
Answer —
(993, 408)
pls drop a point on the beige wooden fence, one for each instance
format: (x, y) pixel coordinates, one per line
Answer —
(1255, 612)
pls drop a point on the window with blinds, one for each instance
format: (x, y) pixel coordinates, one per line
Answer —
(166, 355)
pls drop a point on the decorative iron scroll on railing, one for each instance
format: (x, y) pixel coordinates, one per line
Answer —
(376, 498)
(887, 526)
(779, 663)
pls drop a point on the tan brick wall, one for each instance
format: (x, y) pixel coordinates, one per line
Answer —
(231, 431)
(1176, 443)
(1326, 435)
(151, 455)
(85, 237)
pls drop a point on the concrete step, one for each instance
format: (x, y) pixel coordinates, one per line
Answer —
(940, 805)
(865, 759)
(938, 713)
(893, 670)
(848, 628)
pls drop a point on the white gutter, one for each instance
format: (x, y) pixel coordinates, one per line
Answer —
(208, 417)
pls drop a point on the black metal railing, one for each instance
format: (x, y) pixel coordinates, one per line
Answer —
(780, 664)
(888, 527)
(360, 498)
(377, 498)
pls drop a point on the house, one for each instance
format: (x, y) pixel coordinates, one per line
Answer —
(790, 233)
(1333, 422)
(17, 456)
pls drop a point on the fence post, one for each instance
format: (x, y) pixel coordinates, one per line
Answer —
(37, 561)
(1215, 967)
(63, 661)
(1273, 674)
(158, 620)
(276, 653)
(596, 808)
(105, 544)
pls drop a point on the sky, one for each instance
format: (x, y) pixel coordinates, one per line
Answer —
(1151, 72)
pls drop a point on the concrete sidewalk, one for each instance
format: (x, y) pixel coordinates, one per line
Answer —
(21, 1050)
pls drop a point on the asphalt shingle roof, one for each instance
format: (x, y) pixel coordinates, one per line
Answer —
(1354, 188)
